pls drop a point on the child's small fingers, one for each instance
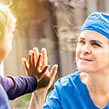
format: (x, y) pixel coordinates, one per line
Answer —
(38, 62)
(25, 63)
(36, 54)
(30, 58)
(41, 74)
(33, 59)
(44, 70)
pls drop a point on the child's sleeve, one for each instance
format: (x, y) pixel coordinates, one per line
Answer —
(17, 86)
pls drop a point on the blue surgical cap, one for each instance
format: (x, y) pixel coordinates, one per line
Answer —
(98, 22)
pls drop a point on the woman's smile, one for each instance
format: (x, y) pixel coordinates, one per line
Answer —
(85, 60)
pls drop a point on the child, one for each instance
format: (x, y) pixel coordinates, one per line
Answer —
(36, 67)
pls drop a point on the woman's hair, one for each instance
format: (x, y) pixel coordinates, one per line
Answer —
(7, 20)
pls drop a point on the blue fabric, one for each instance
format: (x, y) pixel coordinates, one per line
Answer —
(98, 22)
(70, 93)
(12, 87)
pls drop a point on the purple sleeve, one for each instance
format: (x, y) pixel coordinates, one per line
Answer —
(19, 85)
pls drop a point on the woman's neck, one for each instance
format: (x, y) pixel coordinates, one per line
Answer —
(97, 81)
(98, 87)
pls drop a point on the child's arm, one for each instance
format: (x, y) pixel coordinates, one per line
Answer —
(17, 86)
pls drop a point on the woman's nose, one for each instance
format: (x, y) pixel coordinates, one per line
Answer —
(85, 49)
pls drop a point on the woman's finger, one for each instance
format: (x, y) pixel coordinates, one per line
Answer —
(53, 71)
(43, 58)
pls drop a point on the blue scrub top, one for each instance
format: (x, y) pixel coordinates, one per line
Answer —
(70, 93)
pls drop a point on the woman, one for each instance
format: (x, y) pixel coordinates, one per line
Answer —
(88, 88)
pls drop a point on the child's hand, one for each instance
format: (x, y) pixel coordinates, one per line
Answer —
(37, 66)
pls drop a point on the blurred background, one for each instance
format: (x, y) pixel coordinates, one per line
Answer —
(50, 24)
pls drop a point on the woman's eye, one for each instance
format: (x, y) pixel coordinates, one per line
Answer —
(96, 44)
(82, 42)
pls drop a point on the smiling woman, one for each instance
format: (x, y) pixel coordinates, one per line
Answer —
(88, 87)
(92, 77)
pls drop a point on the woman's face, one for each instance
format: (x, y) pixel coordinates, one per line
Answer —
(5, 45)
(92, 52)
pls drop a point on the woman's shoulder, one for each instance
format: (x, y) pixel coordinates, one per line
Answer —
(68, 80)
